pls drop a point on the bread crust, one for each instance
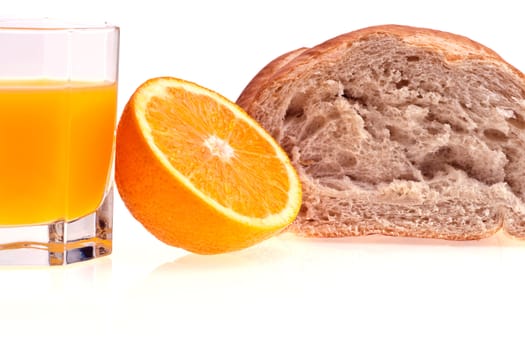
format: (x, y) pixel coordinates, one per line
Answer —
(265, 74)
(333, 231)
(453, 47)
(272, 82)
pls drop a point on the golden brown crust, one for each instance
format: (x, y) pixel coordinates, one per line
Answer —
(265, 74)
(454, 47)
(302, 229)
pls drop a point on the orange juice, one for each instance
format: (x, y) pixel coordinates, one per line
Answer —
(56, 145)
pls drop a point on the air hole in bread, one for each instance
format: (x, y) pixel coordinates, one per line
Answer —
(412, 58)
(346, 159)
(333, 214)
(396, 134)
(295, 109)
(402, 83)
(495, 135)
(517, 121)
(438, 162)
(445, 160)
(513, 169)
(352, 98)
(433, 130)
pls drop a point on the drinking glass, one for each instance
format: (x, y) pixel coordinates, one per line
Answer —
(58, 104)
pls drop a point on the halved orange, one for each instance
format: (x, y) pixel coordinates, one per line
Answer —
(198, 172)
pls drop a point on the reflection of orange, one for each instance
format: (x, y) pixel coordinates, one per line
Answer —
(198, 172)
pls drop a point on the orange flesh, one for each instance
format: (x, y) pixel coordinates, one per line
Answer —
(228, 150)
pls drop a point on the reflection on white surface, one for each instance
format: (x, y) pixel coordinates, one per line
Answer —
(370, 292)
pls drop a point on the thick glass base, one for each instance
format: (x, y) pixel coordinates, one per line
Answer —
(61, 242)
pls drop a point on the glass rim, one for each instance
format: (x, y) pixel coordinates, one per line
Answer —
(51, 24)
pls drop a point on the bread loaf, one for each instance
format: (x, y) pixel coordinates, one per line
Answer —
(401, 131)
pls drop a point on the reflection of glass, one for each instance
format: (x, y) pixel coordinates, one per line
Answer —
(58, 101)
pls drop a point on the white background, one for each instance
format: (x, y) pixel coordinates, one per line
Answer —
(288, 292)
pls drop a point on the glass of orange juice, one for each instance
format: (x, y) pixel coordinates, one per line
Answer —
(58, 104)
